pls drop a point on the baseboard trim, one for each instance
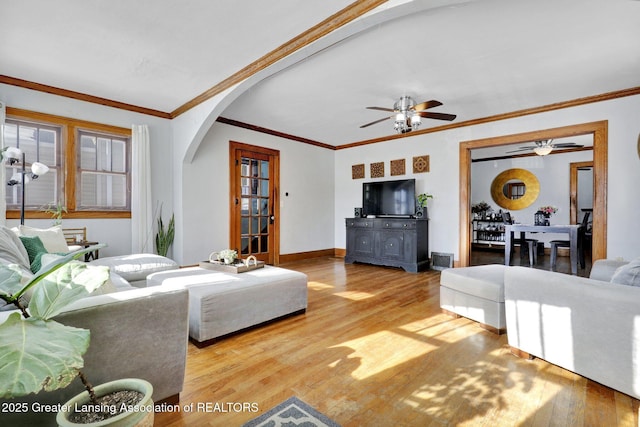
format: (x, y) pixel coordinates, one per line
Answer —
(299, 256)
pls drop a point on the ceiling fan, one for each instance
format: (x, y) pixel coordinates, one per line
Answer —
(407, 114)
(546, 146)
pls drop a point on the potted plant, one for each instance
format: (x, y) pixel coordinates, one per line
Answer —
(39, 353)
(422, 200)
(228, 256)
(164, 238)
(56, 210)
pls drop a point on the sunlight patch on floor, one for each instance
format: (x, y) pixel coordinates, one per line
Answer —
(355, 295)
(468, 394)
(443, 331)
(317, 286)
(375, 355)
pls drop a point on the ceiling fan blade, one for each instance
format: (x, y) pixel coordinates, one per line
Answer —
(377, 121)
(391, 110)
(437, 116)
(567, 144)
(427, 104)
(521, 149)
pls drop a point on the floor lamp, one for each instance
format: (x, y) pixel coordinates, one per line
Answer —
(15, 155)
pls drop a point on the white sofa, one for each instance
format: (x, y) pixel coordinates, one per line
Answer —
(476, 293)
(589, 326)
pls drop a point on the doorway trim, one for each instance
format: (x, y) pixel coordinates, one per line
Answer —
(599, 131)
(573, 188)
(275, 194)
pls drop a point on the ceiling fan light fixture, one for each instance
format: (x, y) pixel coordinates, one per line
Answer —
(407, 115)
(543, 150)
(415, 121)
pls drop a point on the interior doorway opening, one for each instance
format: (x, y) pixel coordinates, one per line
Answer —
(597, 130)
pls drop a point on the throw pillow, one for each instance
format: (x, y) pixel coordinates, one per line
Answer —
(628, 274)
(52, 238)
(35, 248)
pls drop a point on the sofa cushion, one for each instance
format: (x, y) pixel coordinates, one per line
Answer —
(136, 267)
(52, 238)
(483, 281)
(35, 248)
(628, 274)
(12, 250)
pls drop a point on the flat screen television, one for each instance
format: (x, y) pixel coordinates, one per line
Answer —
(389, 198)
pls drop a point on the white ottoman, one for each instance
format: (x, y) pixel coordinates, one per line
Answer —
(221, 303)
(476, 293)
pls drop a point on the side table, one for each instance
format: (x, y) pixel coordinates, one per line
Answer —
(89, 256)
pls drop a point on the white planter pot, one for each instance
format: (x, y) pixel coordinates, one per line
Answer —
(142, 418)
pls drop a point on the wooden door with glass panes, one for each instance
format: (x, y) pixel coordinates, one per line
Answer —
(254, 207)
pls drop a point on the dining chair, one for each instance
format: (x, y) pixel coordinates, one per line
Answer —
(555, 244)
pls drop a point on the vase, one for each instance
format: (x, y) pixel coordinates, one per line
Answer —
(142, 417)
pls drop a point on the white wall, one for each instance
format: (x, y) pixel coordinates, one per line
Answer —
(306, 174)
(116, 233)
(623, 117)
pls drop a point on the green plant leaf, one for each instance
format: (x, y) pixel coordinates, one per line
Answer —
(63, 286)
(38, 354)
(10, 280)
(54, 265)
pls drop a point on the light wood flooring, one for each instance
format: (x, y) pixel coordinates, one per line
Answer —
(374, 349)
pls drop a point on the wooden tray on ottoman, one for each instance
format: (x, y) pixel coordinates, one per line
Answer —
(238, 267)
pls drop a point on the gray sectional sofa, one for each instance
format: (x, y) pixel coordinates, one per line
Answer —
(135, 332)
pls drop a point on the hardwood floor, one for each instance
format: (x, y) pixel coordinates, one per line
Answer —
(374, 349)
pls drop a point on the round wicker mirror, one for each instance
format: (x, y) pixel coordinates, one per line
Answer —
(531, 189)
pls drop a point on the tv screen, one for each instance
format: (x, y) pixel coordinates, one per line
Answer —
(389, 198)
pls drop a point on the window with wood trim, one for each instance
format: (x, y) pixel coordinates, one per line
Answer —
(102, 178)
(89, 166)
(39, 143)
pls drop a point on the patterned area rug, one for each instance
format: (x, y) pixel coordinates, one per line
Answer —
(292, 412)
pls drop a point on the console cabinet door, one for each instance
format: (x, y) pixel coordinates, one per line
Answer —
(364, 242)
(392, 245)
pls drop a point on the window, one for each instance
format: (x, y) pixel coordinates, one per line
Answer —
(102, 177)
(39, 143)
(89, 166)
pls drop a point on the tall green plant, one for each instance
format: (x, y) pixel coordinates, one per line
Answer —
(38, 352)
(164, 238)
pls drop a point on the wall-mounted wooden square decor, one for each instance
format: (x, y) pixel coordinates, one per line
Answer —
(377, 170)
(421, 164)
(397, 167)
(357, 171)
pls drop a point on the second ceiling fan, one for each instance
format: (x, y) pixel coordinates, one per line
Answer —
(408, 115)
(546, 146)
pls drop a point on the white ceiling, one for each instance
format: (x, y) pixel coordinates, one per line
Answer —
(478, 57)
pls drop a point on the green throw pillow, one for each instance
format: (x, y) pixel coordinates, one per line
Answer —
(35, 249)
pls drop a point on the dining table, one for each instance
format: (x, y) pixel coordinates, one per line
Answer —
(573, 230)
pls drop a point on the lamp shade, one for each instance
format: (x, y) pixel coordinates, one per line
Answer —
(13, 153)
(38, 168)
